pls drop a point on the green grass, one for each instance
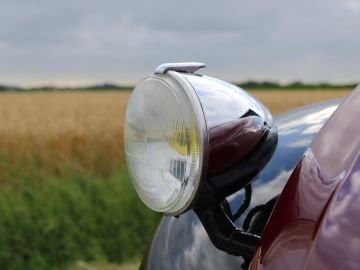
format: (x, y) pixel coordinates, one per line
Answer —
(50, 221)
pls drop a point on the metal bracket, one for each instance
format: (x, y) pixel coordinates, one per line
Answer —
(224, 234)
(189, 67)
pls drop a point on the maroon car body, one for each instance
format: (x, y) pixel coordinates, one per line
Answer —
(316, 221)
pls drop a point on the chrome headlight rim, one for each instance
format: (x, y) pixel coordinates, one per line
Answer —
(203, 140)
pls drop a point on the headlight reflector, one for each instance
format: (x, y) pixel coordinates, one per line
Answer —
(164, 144)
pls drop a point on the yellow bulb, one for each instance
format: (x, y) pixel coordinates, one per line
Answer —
(179, 141)
(185, 141)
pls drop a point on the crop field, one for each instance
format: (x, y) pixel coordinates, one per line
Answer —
(84, 130)
(65, 196)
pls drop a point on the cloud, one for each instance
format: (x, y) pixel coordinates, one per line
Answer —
(122, 41)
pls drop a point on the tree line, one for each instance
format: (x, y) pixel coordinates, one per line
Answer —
(250, 85)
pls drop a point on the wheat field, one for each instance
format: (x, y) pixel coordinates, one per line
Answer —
(84, 130)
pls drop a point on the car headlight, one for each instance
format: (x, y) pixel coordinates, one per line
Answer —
(164, 143)
(178, 123)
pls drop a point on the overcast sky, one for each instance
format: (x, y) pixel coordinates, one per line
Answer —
(82, 41)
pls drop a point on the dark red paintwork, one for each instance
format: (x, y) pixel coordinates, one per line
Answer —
(232, 141)
(316, 222)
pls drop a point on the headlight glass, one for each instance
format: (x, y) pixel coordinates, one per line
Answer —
(163, 144)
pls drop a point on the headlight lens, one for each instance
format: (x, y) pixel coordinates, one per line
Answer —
(163, 144)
